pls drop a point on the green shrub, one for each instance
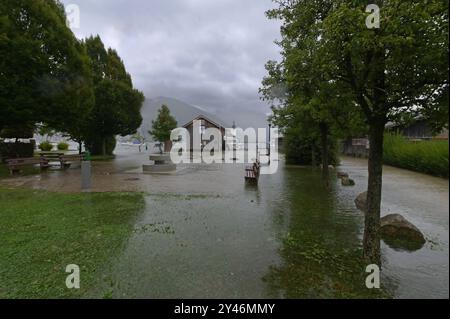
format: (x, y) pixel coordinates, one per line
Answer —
(16, 150)
(302, 148)
(46, 146)
(63, 146)
(429, 157)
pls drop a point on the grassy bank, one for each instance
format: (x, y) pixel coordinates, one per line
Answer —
(430, 157)
(42, 232)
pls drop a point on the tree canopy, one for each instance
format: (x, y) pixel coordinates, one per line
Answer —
(44, 71)
(48, 76)
(117, 104)
(310, 105)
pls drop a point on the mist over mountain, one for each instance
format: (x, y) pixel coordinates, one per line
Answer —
(184, 113)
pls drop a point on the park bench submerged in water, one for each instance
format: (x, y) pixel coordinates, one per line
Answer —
(51, 156)
(15, 164)
(67, 160)
(252, 173)
(64, 160)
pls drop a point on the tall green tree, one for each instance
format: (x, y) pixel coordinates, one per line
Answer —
(117, 104)
(388, 72)
(398, 68)
(312, 101)
(163, 125)
(44, 70)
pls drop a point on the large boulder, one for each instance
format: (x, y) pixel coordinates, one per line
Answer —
(361, 202)
(396, 227)
(395, 230)
(342, 174)
(347, 181)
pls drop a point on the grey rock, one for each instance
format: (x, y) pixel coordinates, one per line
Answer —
(395, 226)
(347, 181)
(361, 202)
(342, 175)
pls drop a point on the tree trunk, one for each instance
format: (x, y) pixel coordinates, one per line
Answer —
(167, 146)
(80, 147)
(324, 146)
(372, 220)
(377, 122)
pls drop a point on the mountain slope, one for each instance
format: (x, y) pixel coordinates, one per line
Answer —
(182, 112)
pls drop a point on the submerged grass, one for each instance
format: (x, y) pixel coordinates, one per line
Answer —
(42, 232)
(429, 157)
(313, 271)
(321, 253)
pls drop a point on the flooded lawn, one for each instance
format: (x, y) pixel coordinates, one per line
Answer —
(205, 234)
(290, 237)
(260, 242)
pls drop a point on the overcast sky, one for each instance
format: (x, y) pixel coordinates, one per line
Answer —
(209, 53)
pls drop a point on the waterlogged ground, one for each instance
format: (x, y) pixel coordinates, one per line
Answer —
(203, 233)
(246, 243)
(423, 200)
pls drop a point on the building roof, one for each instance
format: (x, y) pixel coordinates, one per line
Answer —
(216, 123)
(415, 119)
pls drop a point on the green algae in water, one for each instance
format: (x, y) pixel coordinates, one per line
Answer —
(157, 227)
(288, 238)
(311, 271)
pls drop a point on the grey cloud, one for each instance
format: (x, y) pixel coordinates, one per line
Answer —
(209, 53)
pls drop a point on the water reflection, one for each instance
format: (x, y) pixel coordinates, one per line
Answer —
(321, 251)
(253, 191)
(402, 245)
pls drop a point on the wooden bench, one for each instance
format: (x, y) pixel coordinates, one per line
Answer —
(252, 173)
(51, 156)
(15, 164)
(67, 160)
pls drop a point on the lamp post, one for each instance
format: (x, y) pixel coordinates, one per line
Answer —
(86, 172)
(270, 129)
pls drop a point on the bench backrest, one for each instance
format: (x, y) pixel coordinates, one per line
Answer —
(51, 155)
(72, 157)
(23, 161)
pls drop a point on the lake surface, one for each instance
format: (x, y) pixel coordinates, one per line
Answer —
(205, 234)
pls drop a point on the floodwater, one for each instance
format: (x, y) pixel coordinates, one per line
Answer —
(205, 234)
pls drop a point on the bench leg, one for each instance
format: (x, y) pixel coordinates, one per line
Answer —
(13, 171)
(65, 165)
